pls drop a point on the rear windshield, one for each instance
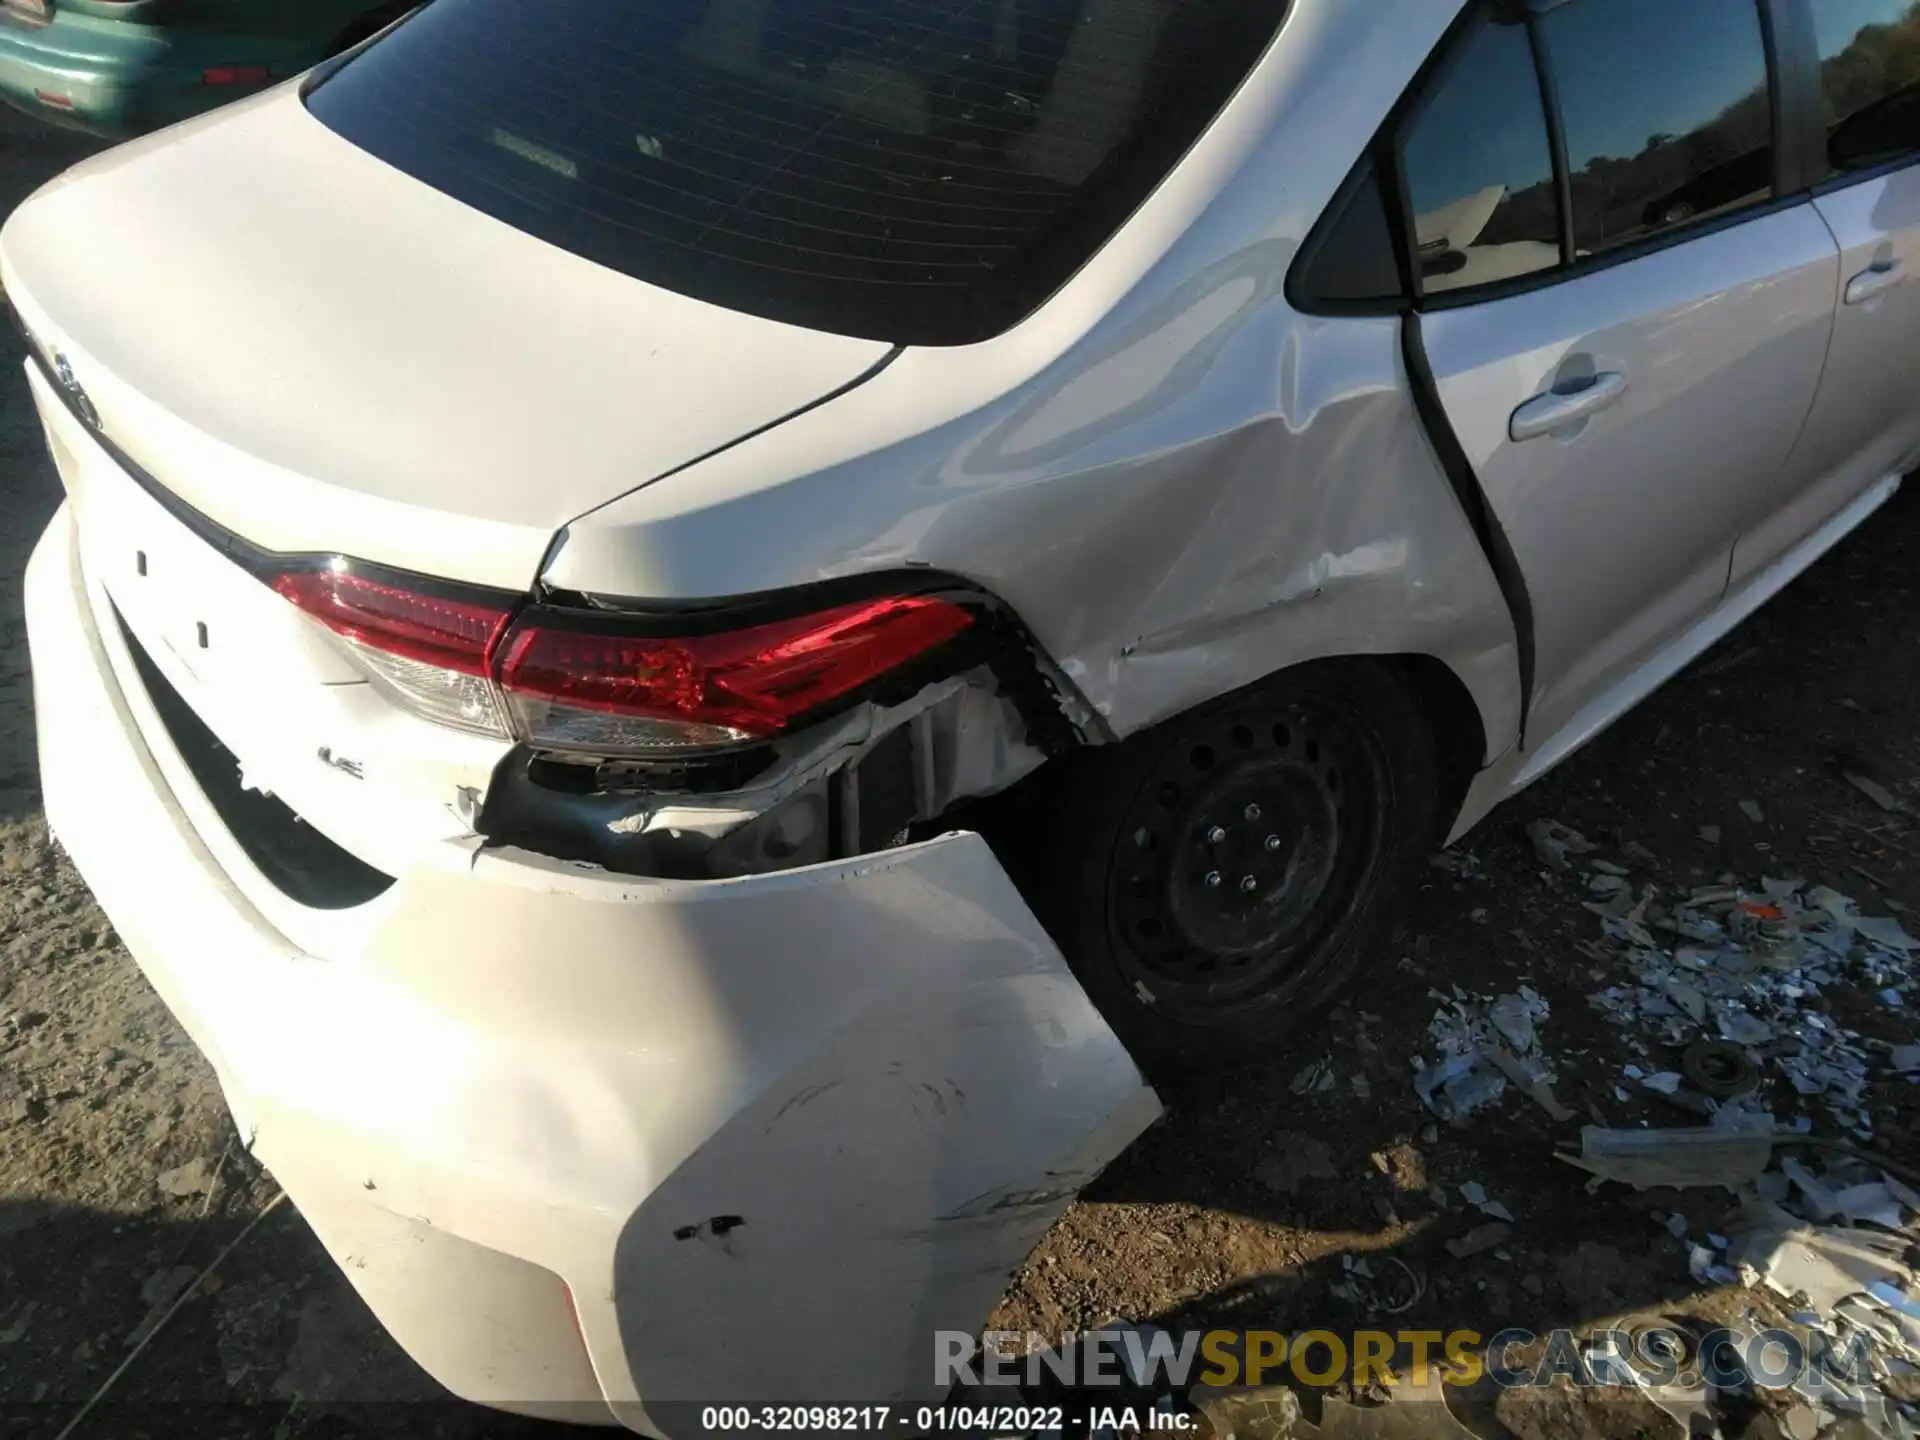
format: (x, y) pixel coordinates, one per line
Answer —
(918, 171)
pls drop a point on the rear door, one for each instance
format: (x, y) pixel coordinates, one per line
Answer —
(1866, 422)
(1625, 325)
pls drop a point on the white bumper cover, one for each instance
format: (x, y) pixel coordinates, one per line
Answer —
(763, 1136)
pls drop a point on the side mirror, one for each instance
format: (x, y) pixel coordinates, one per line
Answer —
(1884, 130)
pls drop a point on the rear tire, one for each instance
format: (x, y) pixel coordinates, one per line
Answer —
(1217, 880)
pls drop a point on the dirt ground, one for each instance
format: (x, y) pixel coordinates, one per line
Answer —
(120, 1177)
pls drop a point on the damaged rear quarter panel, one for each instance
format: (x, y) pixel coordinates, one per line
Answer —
(1181, 484)
(1222, 489)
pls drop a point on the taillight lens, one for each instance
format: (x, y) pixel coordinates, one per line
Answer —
(431, 650)
(568, 682)
(236, 75)
(571, 689)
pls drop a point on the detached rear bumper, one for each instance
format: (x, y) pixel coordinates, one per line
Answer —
(763, 1136)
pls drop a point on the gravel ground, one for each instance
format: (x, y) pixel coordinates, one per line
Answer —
(120, 1177)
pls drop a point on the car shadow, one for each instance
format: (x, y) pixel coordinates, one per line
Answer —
(270, 1339)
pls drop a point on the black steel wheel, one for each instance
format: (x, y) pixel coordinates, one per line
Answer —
(1227, 873)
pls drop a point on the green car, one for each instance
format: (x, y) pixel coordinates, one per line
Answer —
(121, 67)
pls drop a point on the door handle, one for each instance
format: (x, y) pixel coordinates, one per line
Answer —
(1881, 278)
(1553, 411)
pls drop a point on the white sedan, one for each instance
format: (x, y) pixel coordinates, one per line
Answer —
(682, 633)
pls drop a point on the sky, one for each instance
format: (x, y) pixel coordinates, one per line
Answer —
(1839, 20)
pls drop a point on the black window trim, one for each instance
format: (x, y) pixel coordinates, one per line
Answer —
(1800, 168)
(1556, 143)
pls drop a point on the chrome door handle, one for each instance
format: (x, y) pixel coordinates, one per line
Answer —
(1553, 411)
(1876, 281)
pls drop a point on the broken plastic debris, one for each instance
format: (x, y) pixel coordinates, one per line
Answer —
(1826, 1265)
(1689, 998)
(1554, 842)
(1314, 1079)
(1894, 1299)
(1469, 1075)
(1884, 930)
(1872, 789)
(1512, 1016)
(1751, 809)
(1871, 1203)
(1478, 1239)
(1725, 1155)
(1535, 1088)
(1740, 1027)
(1706, 1268)
(1821, 1203)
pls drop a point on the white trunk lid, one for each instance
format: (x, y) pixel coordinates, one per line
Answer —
(323, 354)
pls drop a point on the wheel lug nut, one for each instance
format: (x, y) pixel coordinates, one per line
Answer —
(1249, 884)
(1216, 835)
(1273, 842)
(1213, 880)
(1253, 812)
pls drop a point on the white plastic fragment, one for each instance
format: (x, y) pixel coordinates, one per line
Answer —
(1826, 1265)
(1885, 931)
(1895, 1299)
(1872, 1203)
(1554, 842)
(1726, 1155)
(1821, 1203)
(1512, 1016)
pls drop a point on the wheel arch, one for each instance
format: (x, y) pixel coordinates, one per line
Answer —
(1458, 729)
(1446, 704)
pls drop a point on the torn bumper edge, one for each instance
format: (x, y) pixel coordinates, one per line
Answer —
(522, 1107)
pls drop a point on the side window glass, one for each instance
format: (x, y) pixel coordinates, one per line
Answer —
(1478, 167)
(1869, 78)
(1665, 109)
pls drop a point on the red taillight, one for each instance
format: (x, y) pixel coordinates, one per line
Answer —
(431, 650)
(452, 634)
(570, 683)
(589, 690)
(236, 75)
